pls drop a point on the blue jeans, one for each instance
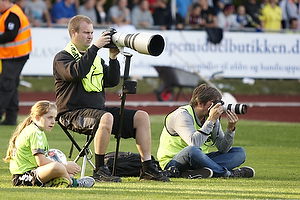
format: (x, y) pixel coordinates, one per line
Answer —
(192, 157)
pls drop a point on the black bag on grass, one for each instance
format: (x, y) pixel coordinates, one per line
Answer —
(128, 163)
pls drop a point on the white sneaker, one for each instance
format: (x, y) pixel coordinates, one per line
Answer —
(85, 182)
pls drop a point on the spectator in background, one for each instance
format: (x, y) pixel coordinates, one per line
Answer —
(226, 18)
(263, 3)
(183, 7)
(62, 11)
(49, 5)
(119, 14)
(210, 3)
(208, 14)
(141, 16)
(271, 16)
(37, 13)
(285, 22)
(292, 10)
(193, 18)
(244, 19)
(152, 5)
(253, 9)
(88, 9)
(100, 12)
(293, 24)
(131, 4)
(219, 5)
(241, 16)
(179, 22)
(162, 15)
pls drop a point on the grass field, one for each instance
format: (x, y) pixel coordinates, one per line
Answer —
(272, 150)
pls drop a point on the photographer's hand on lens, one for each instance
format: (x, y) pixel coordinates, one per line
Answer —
(232, 120)
(103, 40)
(215, 112)
(113, 52)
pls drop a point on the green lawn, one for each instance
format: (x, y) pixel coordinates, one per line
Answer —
(272, 150)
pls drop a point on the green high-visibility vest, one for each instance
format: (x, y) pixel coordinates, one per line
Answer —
(94, 79)
(170, 145)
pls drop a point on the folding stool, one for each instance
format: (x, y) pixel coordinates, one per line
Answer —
(83, 151)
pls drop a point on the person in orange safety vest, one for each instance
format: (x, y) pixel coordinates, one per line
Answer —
(15, 47)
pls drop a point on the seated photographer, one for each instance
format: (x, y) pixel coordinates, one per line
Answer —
(190, 130)
(80, 78)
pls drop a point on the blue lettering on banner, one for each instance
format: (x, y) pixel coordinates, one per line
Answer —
(229, 46)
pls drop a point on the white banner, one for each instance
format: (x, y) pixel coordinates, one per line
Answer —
(239, 55)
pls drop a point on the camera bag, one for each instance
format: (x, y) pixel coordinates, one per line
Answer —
(128, 164)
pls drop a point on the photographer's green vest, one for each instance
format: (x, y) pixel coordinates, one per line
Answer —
(170, 145)
(93, 81)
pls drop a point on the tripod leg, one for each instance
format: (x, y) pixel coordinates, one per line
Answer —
(123, 97)
(83, 166)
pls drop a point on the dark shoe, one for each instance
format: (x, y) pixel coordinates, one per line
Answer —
(171, 172)
(103, 175)
(197, 173)
(243, 172)
(153, 174)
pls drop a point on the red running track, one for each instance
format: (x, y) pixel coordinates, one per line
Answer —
(260, 107)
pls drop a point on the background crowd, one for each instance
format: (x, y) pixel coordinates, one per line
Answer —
(258, 15)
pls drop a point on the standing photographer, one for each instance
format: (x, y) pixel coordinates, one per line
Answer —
(190, 130)
(80, 78)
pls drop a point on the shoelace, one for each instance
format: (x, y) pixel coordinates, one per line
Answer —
(197, 176)
(237, 173)
(82, 183)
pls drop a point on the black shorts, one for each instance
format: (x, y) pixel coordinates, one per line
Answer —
(29, 178)
(84, 120)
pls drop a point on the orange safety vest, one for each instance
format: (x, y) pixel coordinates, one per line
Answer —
(22, 44)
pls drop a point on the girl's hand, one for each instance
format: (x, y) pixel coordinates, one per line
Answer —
(72, 168)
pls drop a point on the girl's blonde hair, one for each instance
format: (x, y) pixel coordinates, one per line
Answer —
(40, 108)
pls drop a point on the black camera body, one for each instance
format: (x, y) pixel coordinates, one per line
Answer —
(111, 32)
(237, 108)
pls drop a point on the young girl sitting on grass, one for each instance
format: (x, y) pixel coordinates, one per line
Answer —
(27, 148)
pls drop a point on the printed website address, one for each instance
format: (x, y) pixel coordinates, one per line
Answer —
(256, 46)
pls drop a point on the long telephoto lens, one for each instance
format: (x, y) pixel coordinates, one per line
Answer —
(236, 108)
(144, 43)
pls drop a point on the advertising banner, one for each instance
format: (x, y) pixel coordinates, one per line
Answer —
(239, 55)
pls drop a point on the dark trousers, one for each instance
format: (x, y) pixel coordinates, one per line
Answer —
(9, 82)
